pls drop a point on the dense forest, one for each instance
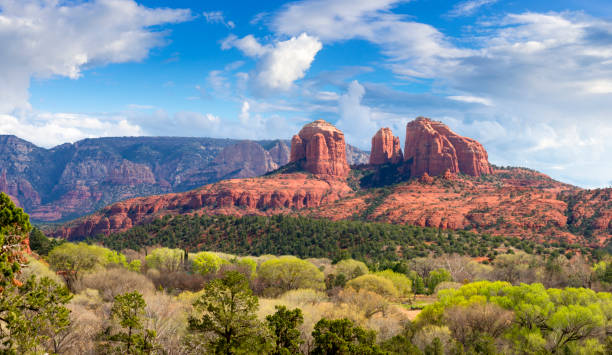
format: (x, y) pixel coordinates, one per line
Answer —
(317, 238)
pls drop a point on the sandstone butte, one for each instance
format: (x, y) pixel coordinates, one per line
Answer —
(385, 148)
(506, 201)
(319, 148)
(432, 148)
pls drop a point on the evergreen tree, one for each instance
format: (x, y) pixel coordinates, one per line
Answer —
(225, 316)
(284, 327)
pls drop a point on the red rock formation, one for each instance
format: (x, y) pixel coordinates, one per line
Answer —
(270, 195)
(320, 149)
(433, 148)
(385, 148)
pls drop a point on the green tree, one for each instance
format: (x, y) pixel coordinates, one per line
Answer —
(343, 337)
(165, 259)
(206, 262)
(73, 260)
(225, 316)
(14, 226)
(401, 282)
(284, 327)
(288, 273)
(129, 312)
(30, 312)
(351, 268)
(40, 243)
(374, 283)
(436, 277)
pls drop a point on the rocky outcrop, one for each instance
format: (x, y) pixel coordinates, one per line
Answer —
(280, 153)
(431, 147)
(385, 148)
(244, 159)
(320, 149)
(264, 196)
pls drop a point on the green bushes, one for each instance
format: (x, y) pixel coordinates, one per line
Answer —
(288, 273)
(374, 283)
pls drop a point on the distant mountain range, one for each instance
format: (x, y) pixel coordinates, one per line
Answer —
(73, 180)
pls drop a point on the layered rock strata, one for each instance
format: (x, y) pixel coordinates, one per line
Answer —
(385, 148)
(320, 149)
(431, 147)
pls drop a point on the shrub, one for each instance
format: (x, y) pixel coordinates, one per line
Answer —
(205, 263)
(289, 273)
(374, 283)
(115, 281)
(351, 268)
(401, 282)
(165, 259)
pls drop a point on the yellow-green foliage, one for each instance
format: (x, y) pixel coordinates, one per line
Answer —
(374, 283)
(82, 256)
(303, 296)
(289, 273)
(39, 269)
(165, 259)
(543, 317)
(351, 268)
(401, 282)
(248, 262)
(205, 262)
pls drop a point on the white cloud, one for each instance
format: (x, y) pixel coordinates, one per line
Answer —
(45, 38)
(281, 63)
(356, 120)
(472, 99)
(247, 44)
(217, 17)
(49, 130)
(467, 8)
(414, 49)
(244, 112)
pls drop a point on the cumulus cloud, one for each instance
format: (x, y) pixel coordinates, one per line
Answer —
(279, 64)
(356, 120)
(46, 38)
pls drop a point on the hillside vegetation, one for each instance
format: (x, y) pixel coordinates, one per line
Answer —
(306, 237)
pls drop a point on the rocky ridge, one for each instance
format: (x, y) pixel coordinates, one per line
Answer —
(72, 180)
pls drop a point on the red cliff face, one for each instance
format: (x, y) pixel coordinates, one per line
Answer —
(431, 147)
(385, 148)
(263, 196)
(321, 149)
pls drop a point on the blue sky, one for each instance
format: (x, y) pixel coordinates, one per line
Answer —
(531, 80)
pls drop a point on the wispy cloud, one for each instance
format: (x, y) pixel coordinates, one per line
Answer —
(217, 17)
(470, 7)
